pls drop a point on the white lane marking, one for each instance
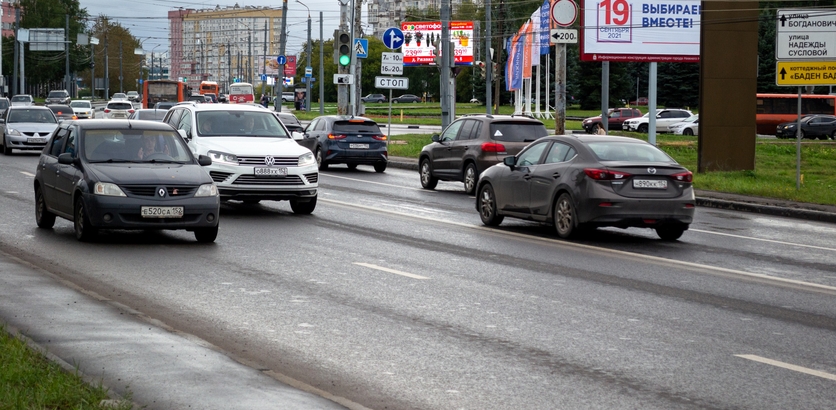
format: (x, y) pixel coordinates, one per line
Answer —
(379, 183)
(28, 174)
(595, 248)
(765, 240)
(396, 272)
(793, 367)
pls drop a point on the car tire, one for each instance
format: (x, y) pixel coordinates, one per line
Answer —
(380, 167)
(428, 181)
(6, 149)
(687, 131)
(565, 217)
(395, 101)
(670, 232)
(833, 135)
(43, 217)
(642, 128)
(206, 235)
(303, 207)
(487, 206)
(471, 177)
(319, 162)
(84, 230)
(594, 129)
(803, 135)
(352, 166)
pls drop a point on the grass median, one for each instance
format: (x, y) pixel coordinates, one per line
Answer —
(28, 380)
(774, 175)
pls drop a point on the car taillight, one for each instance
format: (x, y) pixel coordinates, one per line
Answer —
(107, 110)
(336, 136)
(687, 176)
(380, 137)
(604, 174)
(131, 111)
(493, 147)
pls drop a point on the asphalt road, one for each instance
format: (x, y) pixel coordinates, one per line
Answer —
(391, 296)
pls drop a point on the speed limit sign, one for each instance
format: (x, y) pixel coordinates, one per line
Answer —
(564, 12)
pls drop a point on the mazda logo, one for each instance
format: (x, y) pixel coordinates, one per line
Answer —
(161, 192)
(651, 170)
(269, 161)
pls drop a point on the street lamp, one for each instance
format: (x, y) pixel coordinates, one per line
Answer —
(151, 73)
(308, 81)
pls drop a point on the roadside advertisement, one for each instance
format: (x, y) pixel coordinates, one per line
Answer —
(290, 66)
(640, 31)
(270, 64)
(420, 39)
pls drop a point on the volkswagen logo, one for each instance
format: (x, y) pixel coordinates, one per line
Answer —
(269, 161)
(161, 192)
(651, 170)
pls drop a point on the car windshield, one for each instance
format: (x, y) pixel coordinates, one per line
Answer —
(33, 115)
(243, 123)
(134, 145)
(628, 151)
(356, 126)
(517, 131)
(80, 104)
(56, 94)
(20, 98)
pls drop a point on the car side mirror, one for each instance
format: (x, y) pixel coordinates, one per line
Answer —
(204, 160)
(296, 135)
(2, 120)
(66, 159)
(184, 135)
(436, 138)
(510, 161)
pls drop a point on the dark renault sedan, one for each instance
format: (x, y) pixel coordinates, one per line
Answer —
(590, 181)
(121, 174)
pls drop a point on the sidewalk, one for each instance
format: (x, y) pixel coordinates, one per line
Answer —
(711, 199)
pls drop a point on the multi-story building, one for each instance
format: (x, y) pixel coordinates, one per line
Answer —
(219, 44)
(8, 17)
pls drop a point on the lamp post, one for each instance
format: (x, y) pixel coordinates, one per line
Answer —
(308, 80)
(151, 73)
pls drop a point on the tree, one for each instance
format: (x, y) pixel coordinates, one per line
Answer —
(110, 34)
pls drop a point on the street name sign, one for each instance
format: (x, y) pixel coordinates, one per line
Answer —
(802, 73)
(805, 34)
(394, 83)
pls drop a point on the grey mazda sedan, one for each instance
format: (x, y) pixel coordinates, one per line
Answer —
(579, 182)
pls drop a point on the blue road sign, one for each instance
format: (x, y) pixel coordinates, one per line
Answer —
(282, 60)
(361, 45)
(393, 38)
(263, 77)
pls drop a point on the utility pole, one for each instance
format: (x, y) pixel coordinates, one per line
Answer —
(352, 68)
(17, 49)
(497, 76)
(228, 66)
(106, 77)
(321, 72)
(342, 89)
(282, 43)
(250, 57)
(67, 85)
(264, 61)
(120, 67)
(489, 57)
(446, 53)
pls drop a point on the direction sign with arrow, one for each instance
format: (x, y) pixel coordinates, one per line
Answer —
(801, 73)
(393, 38)
(563, 36)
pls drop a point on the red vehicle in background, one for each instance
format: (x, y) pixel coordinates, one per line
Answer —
(240, 93)
(640, 101)
(616, 118)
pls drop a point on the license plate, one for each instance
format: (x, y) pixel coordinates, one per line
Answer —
(359, 146)
(650, 183)
(270, 172)
(36, 140)
(162, 211)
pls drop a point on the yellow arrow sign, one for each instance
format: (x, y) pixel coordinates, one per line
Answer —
(805, 73)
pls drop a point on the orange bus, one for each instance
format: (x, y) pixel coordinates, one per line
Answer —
(154, 91)
(240, 93)
(210, 87)
(773, 109)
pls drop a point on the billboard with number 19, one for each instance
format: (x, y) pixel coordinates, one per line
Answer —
(641, 31)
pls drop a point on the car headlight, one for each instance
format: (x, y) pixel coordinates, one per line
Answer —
(223, 157)
(306, 159)
(14, 132)
(107, 189)
(207, 190)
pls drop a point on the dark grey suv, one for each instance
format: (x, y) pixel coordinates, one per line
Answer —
(58, 97)
(473, 143)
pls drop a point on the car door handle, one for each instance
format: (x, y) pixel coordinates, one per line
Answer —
(527, 177)
(556, 175)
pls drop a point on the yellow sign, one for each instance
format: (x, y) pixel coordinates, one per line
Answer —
(805, 73)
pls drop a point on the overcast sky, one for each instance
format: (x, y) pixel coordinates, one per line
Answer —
(149, 18)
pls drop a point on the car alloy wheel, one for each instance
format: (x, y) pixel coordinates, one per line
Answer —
(688, 131)
(564, 216)
(6, 149)
(642, 128)
(487, 206)
(470, 178)
(427, 179)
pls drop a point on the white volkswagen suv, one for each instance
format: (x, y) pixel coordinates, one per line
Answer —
(254, 157)
(665, 117)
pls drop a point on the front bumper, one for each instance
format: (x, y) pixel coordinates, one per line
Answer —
(240, 183)
(110, 212)
(22, 143)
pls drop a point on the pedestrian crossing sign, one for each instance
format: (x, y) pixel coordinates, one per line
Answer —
(361, 47)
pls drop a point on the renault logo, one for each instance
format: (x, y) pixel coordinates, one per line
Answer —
(161, 192)
(651, 170)
(269, 161)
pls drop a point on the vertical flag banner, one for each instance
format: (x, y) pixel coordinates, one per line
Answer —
(545, 27)
(535, 37)
(527, 39)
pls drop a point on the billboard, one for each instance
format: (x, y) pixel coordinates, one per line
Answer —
(418, 48)
(270, 64)
(640, 31)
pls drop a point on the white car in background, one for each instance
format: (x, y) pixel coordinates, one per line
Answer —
(665, 117)
(690, 126)
(118, 110)
(82, 108)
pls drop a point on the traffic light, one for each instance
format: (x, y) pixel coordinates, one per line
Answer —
(342, 48)
(482, 68)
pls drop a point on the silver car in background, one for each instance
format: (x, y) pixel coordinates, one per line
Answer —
(26, 128)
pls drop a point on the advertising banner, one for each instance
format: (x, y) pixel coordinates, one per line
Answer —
(641, 31)
(270, 64)
(419, 39)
